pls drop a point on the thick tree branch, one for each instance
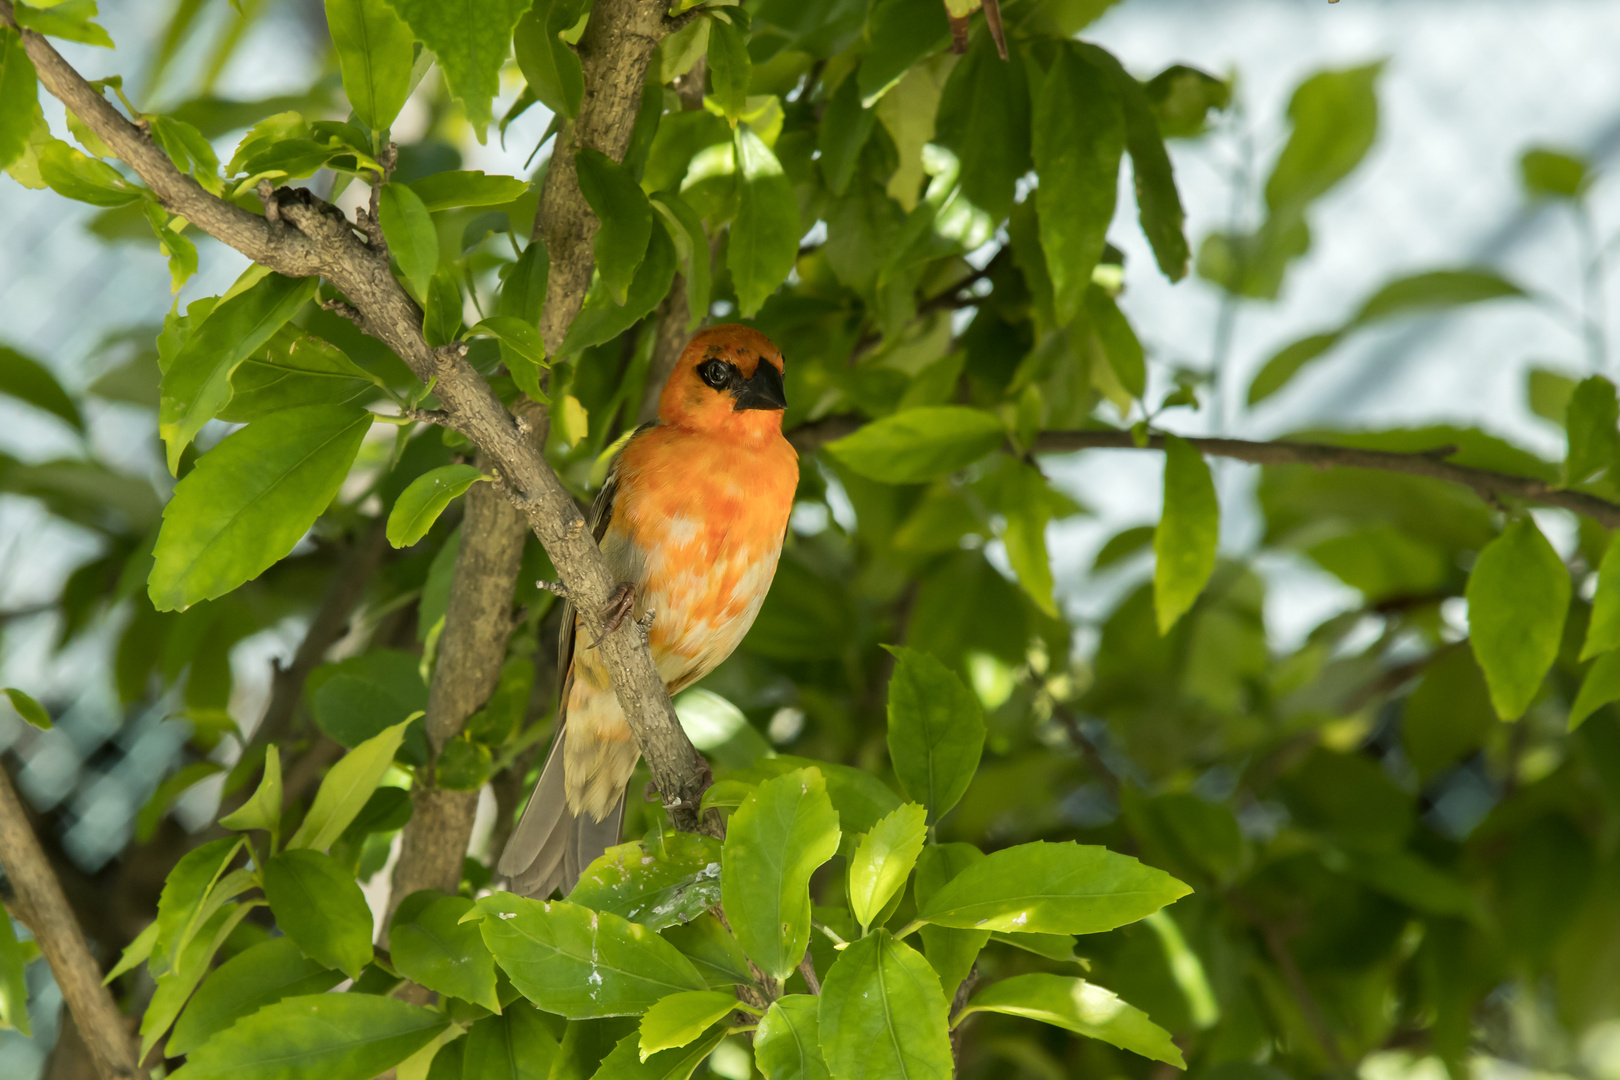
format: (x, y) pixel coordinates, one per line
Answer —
(45, 910)
(1432, 464)
(313, 238)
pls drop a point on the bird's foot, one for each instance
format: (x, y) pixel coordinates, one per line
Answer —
(619, 606)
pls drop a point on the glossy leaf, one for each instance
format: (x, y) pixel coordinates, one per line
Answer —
(764, 240)
(1047, 888)
(729, 67)
(603, 320)
(936, 731)
(346, 789)
(197, 382)
(293, 370)
(550, 66)
(19, 98)
(580, 963)
(182, 904)
(883, 1014)
(787, 1045)
(624, 1062)
(517, 1045)
(250, 499)
(1081, 1007)
(625, 214)
(656, 884)
(412, 239)
(75, 176)
(317, 903)
(375, 52)
(774, 842)
(333, 1036)
(680, 1018)
(459, 187)
(434, 948)
(471, 50)
(1184, 545)
(919, 444)
(951, 952)
(420, 504)
(1079, 138)
(984, 118)
(255, 977)
(1518, 594)
(883, 860)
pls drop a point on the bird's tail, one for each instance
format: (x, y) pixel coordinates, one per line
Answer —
(551, 845)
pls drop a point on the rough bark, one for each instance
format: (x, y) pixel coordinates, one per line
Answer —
(44, 909)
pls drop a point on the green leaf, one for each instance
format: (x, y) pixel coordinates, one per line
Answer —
(1184, 545)
(19, 98)
(1026, 504)
(1048, 888)
(1158, 203)
(28, 381)
(580, 963)
(950, 952)
(883, 860)
(173, 786)
(787, 1045)
(1593, 424)
(625, 214)
(255, 977)
(1554, 174)
(27, 708)
(883, 1013)
(1603, 631)
(1600, 687)
(357, 698)
(523, 284)
(680, 1018)
(984, 119)
(69, 21)
(1433, 290)
(136, 953)
(84, 179)
(1518, 594)
(13, 979)
(434, 948)
(729, 67)
(1079, 138)
(346, 789)
(454, 188)
(899, 33)
(375, 53)
(1276, 372)
(657, 884)
(470, 49)
(181, 905)
(936, 731)
(692, 248)
(602, 320)
(775, 841)
(1120, 346)
(625, 1063)
(332, 1036)
(845, 127)
(318, 904)
(250, 500)
(1335, 119)
(712, 950)
(919, 444)
(197, 382)
(516, 1045)
(420, 504)
(295, 369)
(412, 239)
(764, 242)
(1081, 1007)
(191, 963)
(548, 63)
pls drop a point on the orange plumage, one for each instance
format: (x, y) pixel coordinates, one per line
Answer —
(693, 517)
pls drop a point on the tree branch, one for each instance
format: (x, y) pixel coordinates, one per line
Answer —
(1432, 464)
(314, 238)
(45, 910)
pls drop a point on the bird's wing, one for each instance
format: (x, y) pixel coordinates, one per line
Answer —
(601, 513)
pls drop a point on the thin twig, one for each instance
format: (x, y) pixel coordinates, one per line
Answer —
(1488, 484)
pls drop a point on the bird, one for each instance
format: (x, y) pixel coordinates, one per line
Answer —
(691, 521)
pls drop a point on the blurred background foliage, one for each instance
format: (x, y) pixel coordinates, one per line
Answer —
(1388, 879)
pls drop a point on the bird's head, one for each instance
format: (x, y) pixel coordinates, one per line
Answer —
(727, 381)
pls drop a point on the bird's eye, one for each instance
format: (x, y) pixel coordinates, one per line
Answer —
(717, 373)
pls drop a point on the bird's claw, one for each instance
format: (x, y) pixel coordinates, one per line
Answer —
(620, 604)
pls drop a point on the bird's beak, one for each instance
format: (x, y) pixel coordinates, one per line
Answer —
(763, 391)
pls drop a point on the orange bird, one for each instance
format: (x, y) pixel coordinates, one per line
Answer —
(691, 522)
